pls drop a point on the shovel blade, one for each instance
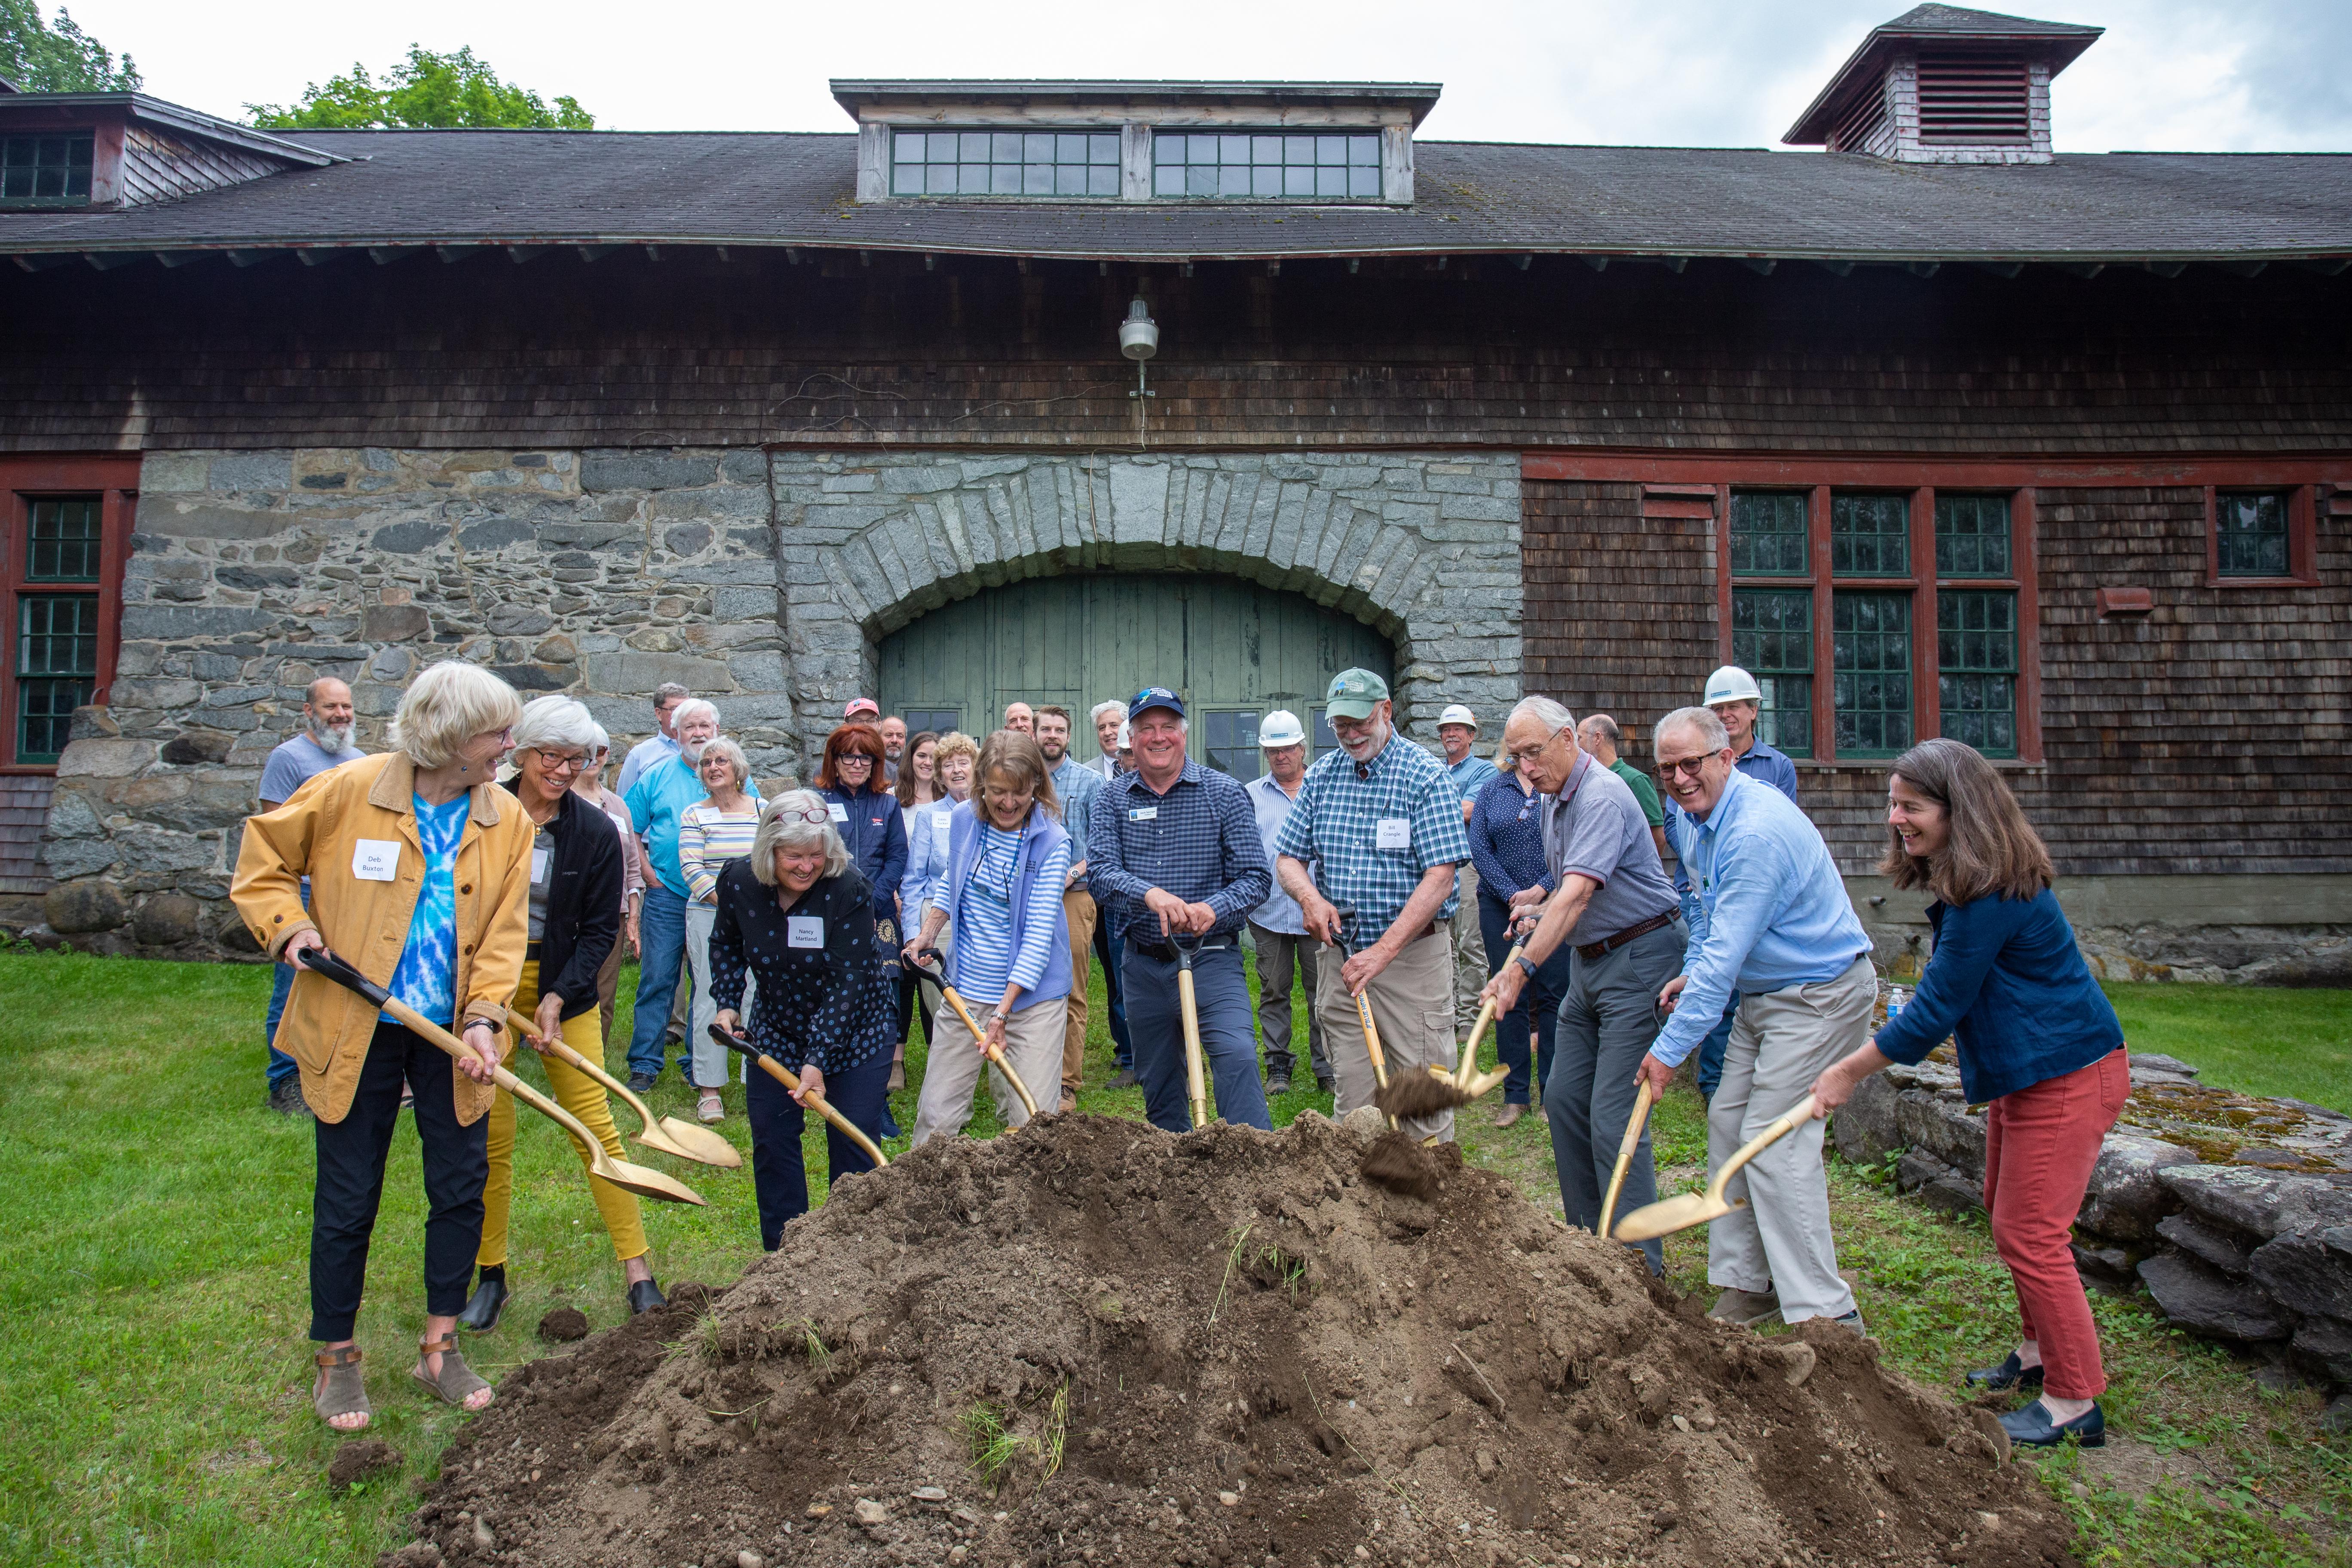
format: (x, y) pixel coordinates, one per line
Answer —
(1668, 1216)
(645, 1181)
(699, 1144)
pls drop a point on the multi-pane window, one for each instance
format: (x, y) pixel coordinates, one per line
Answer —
(1768, 534)
(1230, 742)
(2250, 533)
(1870, 638)
(1004, 163)
(42, 171)
(1976, 668)
(1772, 639)
(1862, 659)
(54, 663)
(937, 721)
(1342, 166)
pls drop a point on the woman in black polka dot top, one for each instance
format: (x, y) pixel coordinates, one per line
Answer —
(796, 915)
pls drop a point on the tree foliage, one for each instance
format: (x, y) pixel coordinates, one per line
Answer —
(425, 91)
(39, 58)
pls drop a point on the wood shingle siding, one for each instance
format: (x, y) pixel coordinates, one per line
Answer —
(691, 350)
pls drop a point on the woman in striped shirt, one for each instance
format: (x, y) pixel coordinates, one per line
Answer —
(1006, 857)
(710, 833)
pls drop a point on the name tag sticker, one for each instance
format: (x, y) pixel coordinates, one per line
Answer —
(1392, 833)
(804, 931)
(539, 859)
(375, 859)
(840, 811)
(1144, 814)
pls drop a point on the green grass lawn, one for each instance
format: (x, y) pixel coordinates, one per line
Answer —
(2296, 1044)
(154, 1380)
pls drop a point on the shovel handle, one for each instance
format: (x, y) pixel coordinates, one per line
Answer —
(1799, 1114)
(1469, 1066)
(994, 1053)
(1189, 1009)
(791, 1080)
(524, 1024)
(1632, 1141)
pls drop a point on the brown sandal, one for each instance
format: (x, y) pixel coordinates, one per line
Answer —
(457, 1381)
(344, 1390)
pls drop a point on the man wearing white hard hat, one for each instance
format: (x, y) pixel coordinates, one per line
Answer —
(1733, 696)
(1457, 732)
(1276, 928)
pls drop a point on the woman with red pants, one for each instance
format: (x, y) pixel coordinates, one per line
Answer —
(2039, 1046)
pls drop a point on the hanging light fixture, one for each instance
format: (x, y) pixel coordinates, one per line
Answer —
(1138, 340)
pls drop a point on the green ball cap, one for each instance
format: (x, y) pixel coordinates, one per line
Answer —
(1353, 693)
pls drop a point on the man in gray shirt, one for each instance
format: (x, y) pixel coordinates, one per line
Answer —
(1613, 906)
(325, 742)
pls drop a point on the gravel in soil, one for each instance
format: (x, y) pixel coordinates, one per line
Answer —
(1093, 1341)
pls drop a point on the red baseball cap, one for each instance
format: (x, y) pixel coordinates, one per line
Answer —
(862, 705)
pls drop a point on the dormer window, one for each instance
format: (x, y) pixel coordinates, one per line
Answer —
(1284, 165)
(46, 171)
(1005, 163)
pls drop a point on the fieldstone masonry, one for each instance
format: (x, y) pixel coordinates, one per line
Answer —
(763, 580)
(1425, 548)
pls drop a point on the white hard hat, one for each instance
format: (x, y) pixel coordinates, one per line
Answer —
(1122, 736)
(1281, 728)
(1457, 714)
(1731, 684)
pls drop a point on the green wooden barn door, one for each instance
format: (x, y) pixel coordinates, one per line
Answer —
(1234, 649)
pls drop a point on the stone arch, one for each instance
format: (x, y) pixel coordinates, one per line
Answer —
(1422, 547)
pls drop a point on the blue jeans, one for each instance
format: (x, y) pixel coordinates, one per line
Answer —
(1542, 996)
(1155, 1022)
(281, 984)
(661, 932)
(1711, 1049)
(777, 1121)
(1107, 947)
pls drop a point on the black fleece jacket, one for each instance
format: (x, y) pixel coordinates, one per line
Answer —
(583, 903)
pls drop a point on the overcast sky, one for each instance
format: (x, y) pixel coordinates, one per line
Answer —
(2183, 75)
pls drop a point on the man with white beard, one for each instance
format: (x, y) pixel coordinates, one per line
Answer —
(657, 802)
(325, 742)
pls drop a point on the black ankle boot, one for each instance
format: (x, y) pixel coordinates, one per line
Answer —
(645, 1296)
(489, 1300)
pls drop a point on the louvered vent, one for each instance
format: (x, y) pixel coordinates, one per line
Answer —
(1864, 121)
(1973, 100)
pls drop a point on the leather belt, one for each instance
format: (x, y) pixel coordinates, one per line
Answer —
(1165, 952)
(1609, 944)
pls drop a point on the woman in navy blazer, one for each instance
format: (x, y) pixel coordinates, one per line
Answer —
(2039, 1047)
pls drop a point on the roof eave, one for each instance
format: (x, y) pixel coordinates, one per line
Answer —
(179, 117)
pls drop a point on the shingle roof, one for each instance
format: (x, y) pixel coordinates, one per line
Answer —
(532, 188)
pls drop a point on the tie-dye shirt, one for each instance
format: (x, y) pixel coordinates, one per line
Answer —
(427, 977)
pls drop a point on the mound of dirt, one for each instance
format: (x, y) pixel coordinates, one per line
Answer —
(1097, 1342)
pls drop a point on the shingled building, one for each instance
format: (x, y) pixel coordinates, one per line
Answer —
(1938, 430)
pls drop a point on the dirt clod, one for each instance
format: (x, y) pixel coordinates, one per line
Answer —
(564, 1324)
(1300, 1368)
(1411, 1094)
(1396, 1162)
(357, 1461)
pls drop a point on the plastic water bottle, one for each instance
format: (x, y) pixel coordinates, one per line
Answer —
(1896, 997)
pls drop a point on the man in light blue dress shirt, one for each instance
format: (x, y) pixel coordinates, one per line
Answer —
(1769, 920)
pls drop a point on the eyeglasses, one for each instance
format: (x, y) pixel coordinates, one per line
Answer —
(563, 762)
(853, 759)
(1690, 766)
(1350, 726)
(806, 814)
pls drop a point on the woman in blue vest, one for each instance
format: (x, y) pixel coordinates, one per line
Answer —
(1006, 857)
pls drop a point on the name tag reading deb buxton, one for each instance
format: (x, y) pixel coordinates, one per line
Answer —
(375, 859)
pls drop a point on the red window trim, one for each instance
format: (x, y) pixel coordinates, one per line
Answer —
(115, 478)
(2302, 538)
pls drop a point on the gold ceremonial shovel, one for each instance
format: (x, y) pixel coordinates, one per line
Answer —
(1670, 1215)
(1634, 1125)
(927, 962)
(642, 1180)
(791, 1080)
(668, 1136)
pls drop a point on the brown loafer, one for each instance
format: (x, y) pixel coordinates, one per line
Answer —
(1509, 1115)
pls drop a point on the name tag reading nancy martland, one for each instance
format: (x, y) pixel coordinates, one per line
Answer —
(804, 931)
(375, 859)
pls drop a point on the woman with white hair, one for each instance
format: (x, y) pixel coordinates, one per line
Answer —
(420, 877)
(575, 922)
(589, 785)
(797, 914)
(711, 834)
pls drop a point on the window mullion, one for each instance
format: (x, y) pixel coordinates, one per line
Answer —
(1927, 707)
(1817, 525)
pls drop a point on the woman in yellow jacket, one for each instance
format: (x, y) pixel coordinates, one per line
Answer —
(420, 877)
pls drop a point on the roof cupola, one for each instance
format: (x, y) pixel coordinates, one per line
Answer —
(1944, 85)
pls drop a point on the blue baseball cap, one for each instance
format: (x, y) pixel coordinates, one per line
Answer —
(1155, 697)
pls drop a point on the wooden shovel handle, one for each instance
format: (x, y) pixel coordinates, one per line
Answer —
(791, 1080)
(1632, 1141)
(1799, 1114)
(425, 1029)
(993, 1053)
(1189, 1012)
(524, 1024)
(1467, 1068)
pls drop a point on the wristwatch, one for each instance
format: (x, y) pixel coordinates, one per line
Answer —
(1522, 961)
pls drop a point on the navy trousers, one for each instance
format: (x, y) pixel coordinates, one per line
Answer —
(778, 1176)
(1155, 1023)
(1541, 997)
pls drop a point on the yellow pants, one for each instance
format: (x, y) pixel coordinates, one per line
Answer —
(584, 1097)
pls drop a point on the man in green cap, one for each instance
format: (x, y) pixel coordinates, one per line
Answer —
(1383, 822)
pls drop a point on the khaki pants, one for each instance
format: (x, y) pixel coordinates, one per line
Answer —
(1078, 909)
(1469, 951)
(1782, 1042)
(1413, 1007)
(1033, 1045)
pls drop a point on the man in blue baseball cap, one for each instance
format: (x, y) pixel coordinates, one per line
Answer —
(1173, 852)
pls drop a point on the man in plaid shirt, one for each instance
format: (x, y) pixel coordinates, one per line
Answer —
(1172, 850)
(1385, 821)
